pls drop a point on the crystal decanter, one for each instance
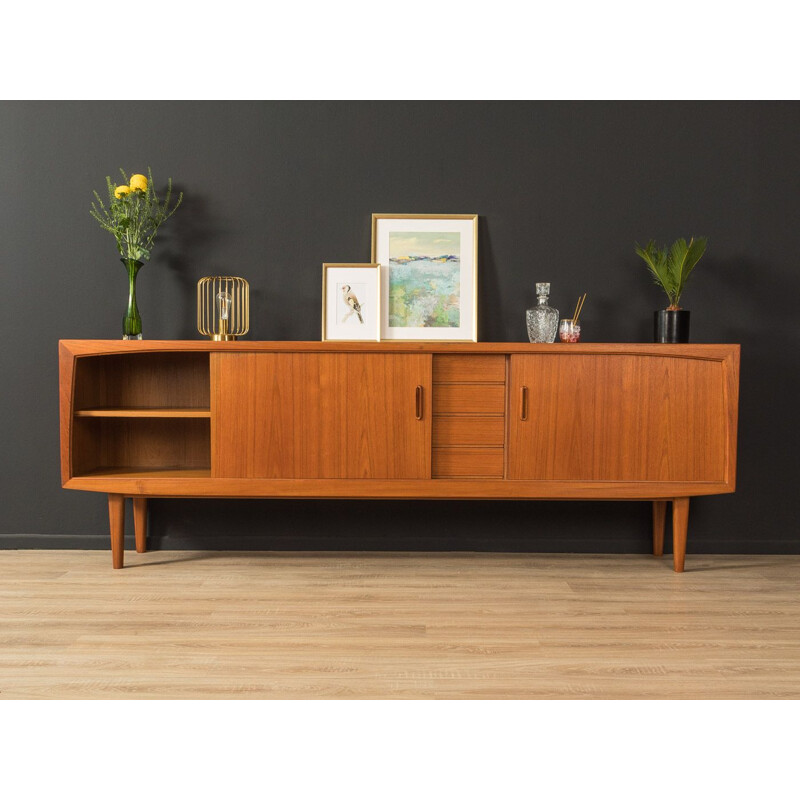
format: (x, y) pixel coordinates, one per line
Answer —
(542, 319)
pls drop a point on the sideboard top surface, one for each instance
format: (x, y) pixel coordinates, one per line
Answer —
(79, 347)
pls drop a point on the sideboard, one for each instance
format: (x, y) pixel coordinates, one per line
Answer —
(654, 422)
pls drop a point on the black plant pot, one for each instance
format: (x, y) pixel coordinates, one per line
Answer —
(671, 327)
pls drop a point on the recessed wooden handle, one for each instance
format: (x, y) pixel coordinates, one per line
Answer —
(419, 403)
(523, 403)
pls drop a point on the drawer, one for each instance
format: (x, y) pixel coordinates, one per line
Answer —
(466, 398)
(469, 369)
(468, 430)
(467, 462)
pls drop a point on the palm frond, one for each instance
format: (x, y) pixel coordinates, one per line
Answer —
(694, 252)
(671, 267)
(658, 263)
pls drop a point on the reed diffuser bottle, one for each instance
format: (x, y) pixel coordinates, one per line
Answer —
(542, 319)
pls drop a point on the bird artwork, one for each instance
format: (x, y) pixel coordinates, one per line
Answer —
(351, 301)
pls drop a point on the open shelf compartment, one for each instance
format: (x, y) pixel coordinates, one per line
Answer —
(142, 413)
(155, 384)
(114, 445)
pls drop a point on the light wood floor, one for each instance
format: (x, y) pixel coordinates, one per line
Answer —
(267, 625)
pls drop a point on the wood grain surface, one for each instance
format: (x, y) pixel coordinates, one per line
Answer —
(680, 528)
(618, 417)
(469, 423)
(136, 380)
(140, 523)
(116, 519)
(469, 398)
(83, 347)
(326, 415)
(468, 431)
(469, 369)
(468, 462)
(462, 626)
(194, 482)
(152, 461)
(143, 413)
(108, 443)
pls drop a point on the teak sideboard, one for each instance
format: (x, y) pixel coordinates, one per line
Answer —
(652, 422)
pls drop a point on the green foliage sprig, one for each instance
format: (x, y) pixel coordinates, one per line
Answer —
(134, 213)
(671, 267)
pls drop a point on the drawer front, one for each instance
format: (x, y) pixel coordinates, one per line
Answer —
(469, 369)
(466, 398)
(468, 462)
(460, 431)
(469, 423)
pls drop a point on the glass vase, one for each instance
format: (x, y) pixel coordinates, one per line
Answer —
(132, 322)
(542, 320)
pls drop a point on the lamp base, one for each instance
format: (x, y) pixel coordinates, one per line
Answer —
(223, 337)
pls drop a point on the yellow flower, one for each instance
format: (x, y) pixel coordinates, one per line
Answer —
(121, 190)
(139, 182)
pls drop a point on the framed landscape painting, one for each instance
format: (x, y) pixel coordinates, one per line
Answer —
(350, 302)
(429, 276)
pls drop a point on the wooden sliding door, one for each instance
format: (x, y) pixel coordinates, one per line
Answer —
(321, 415)
(576, 417)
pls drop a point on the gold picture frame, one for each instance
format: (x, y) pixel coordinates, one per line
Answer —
(343, 315)
(428, 225)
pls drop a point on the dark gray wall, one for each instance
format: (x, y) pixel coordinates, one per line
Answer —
(274, 189)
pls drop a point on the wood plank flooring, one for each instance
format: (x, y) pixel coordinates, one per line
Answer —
(399, 625)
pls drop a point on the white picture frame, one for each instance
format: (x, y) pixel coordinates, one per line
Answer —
(351, 302)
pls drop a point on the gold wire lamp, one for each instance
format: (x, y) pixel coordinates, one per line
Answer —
(223, 307)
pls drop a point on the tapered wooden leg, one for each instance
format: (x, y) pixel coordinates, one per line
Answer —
(659, 517)
(680, 527)
(140, 523)
(116, 519)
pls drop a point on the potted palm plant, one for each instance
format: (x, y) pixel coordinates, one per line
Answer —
(671, 268)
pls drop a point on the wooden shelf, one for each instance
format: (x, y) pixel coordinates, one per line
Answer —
(189, 413)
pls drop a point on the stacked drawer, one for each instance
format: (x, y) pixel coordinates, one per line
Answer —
(469, 424)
